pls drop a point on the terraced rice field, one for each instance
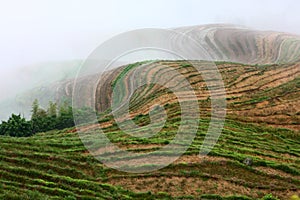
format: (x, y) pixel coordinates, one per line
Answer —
(266, 94)
(56, 164)
(262, 123)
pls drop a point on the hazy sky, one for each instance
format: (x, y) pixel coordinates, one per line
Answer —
(41, 30)
(35, 31)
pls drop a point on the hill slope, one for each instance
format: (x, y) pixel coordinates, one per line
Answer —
(222, 42)
(56, 164)
(261, 74)
(267, 94)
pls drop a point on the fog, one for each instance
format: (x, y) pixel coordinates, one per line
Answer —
(38, 38)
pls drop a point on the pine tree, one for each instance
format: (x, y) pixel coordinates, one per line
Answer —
(39, 119)
(35, 108)
(65, 117)
(52, 110)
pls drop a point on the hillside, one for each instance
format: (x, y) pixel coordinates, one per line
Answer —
(260, 71)
(56, 164)
(223, 42)
(262, 123)
(267, 94)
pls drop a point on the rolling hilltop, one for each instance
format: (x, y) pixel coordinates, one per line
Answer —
(261, 74)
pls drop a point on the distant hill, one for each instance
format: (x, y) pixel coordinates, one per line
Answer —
(240, 44)
(35, 81)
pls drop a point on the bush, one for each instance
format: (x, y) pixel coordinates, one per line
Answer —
(269, 197)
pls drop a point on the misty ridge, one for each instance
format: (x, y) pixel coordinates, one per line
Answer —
(30, 80)
(39, 81)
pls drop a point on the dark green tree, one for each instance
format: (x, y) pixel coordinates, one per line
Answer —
(65, 116)
(16, 126)
(52, 110)
(35, 108)
(39, 118)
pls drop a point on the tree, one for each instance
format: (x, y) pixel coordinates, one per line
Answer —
(65, 116)
(35, 108)
(16, 126)
(3, 128)
(52, 110)
(39, 121)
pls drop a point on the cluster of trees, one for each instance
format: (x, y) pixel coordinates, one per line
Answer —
(41, 120)
(52, 118)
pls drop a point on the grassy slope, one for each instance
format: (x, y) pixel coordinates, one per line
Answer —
(56, 164)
